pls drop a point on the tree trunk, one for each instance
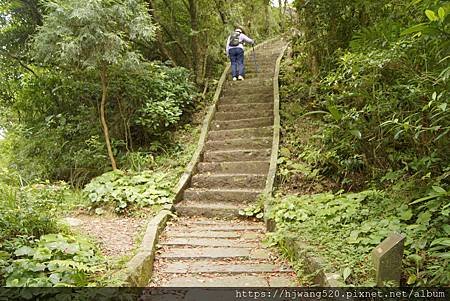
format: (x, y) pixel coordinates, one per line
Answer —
(196, 64)
(222, 11)
(104, 78)
(159, 39)
(280, 7)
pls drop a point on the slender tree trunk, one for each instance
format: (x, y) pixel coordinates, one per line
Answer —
(104, 78)
(159, 39)
(196, 64)
(222, 11)
(280, 7)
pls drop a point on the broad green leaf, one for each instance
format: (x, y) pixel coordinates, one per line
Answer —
(446, 229)
(431, 15)
(441, 241)
(416, 28)
(441, 13)
(356, 133)
(334, 112)
(25, 250)
(439, 190)
(411, 279)
(406, 215)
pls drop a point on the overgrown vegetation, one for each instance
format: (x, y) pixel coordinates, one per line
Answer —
(372, 79)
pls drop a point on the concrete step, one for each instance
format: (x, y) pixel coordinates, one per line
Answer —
(220, 267)
(263, 81)
(253, 97)
(216, 209)
(237, 155)
(181, 253)
(242, 123)
(228, 181)
(233, 226)
(214, 281)
(203, 234)
(263, 74)
(203, 195)
(238, 115)
(245, 90)
(249, 167)
(247, 133)
(263, 106)
(233, 144)
(209, 242)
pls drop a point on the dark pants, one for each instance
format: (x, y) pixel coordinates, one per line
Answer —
(237, 61)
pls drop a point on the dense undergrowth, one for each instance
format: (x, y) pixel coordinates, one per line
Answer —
(371, 85)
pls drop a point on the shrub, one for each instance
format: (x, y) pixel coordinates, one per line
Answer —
(124, 191)
(54, 260)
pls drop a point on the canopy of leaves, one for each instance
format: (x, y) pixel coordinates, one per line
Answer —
(91, 34)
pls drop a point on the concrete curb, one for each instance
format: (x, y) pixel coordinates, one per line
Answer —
(138, 270)
(270, 224)
(313, 264)
(300, 251)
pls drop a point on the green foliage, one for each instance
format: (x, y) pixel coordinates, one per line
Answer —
(383, 90)
(256, 211)
(151, 101)
(31, 211)
(346, 227)
(163, 95)
(53, 260)
(373, 79)
(92, 34)
(124, 192)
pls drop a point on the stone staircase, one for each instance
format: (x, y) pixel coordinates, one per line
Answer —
(236, 157)
(208, 245)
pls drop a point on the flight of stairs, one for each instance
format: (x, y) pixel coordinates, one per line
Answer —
(208, 245)
(235, 161)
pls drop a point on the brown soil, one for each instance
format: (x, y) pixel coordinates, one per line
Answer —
(116, 236)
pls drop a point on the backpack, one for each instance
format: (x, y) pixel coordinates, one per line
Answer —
(234, 39)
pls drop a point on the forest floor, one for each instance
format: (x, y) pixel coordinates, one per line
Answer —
(116, 236)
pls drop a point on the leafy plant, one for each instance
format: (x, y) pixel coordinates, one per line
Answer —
(123, 191)
(54, 260)
(256, 211)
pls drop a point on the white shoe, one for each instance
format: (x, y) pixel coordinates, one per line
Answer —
(241, 77)
(234, 78)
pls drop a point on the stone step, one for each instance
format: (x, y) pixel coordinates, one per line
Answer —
(238, 115)
(260, 132)
(203, 234)
(263, 106)
(187, 227)
(221, 267)
(254, 97)
(237, 155)
(249, 167)
(232, 144)
(223, 281)
(221, 195)
(263, 74)
(228, 181)
(180, 253)
(208, 242)
(245, 90)
(216, 209)
(264, 81)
